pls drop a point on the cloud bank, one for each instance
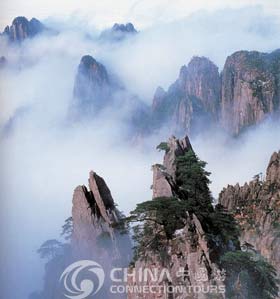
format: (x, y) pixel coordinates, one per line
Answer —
(44, 158)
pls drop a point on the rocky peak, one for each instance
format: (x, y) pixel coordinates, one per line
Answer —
(164, 176)
(158, 97)
(95, 236)
(250, 89)
(188, 249)
(273, 169)
(92, 88)
(128, 28)
(192, 100)
(93, 70)
(201, 80)
(21, 29)
(118, 32)
(176, 147)
(94, 214)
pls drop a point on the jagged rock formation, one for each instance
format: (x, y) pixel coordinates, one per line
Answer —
(244, 94)
(118, 32)
(188, 252)
(92, 88)
(250, 89)
(191, 100)
(95, 90)
(94, 236)
(21, 29)
(94, 215)
(256, 207)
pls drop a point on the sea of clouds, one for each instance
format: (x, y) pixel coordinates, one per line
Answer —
(44, 157)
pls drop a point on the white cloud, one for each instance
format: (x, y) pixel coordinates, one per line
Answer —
(43, 158)
(104, 13)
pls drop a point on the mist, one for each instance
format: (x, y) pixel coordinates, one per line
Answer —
(44, 157)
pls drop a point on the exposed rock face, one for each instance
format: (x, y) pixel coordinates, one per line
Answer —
(191, 100)
(256, 207)
(244, 94)
(201, 80)
(250, 89)
(94, 213)
(94, 237)
(92, 90)
(118, 32)
(188, 252)
(21, 29)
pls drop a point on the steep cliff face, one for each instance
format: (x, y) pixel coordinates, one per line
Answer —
(22, 29)
(201, 80)
(187, 255)
(244, 94)
(256, 207)
(191, 100)
(94, 216)
(92, 89)
(250, 89)
(94, 236)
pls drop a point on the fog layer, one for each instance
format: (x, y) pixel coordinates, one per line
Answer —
(44, 157)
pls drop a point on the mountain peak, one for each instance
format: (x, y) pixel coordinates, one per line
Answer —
(92, 88)
(118, 32)
(164, 176)
(21, 29)
(128, 27)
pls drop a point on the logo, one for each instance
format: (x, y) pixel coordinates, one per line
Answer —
(84, 278)
(76, 280)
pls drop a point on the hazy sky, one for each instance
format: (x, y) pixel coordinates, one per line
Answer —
(102, 13)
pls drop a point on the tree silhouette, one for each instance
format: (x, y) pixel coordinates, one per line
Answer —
(50, 249)
(67, 228)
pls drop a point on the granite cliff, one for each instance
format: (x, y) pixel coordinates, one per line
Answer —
(186, 253)
(194, 245)
(93, 234)
(250, 89)
(244, 94)
(256, 207)
(191, 100)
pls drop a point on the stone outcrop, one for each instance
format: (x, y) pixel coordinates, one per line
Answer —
(22, 29)
(250, 89)
(94, 236)
(256, 207)
(188, 253)
(191, 100)
(92, 89)
(94, 214)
